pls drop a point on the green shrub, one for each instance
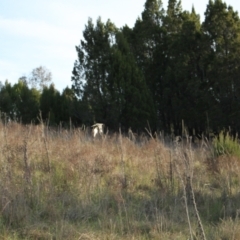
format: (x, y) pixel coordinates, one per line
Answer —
(226, 145)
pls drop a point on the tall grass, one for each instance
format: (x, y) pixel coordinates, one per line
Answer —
(60, 184)
(226, 145)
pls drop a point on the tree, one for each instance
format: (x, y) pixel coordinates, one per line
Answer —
(1, 85)
(26, 102)
(114, 90)
(6, 103)
(67, 106)
(186, 92)
(222, 35)
(19, 102)
(167, 66)
(91, 70)
(40, 78)
(50, 104)
(174, 18)
(130, 98)
(146, 43)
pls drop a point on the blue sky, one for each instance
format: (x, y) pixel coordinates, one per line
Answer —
(45, 32)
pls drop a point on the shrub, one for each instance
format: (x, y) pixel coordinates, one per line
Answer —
(226, 145)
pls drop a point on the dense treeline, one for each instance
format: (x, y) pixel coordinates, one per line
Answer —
(169, 68)
(21, 103)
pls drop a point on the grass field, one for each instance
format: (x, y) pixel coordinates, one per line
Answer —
(60, 184)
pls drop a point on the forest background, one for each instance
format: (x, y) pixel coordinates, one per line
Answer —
(167, 69)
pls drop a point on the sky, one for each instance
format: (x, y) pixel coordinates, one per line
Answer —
(45, 32)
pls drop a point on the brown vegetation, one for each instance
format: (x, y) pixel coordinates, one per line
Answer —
(61, 184)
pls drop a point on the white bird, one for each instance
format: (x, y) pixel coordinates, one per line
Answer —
(97, 129)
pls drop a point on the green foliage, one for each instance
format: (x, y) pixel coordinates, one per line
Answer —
(131, 92)
(49, 104)
(27, 102)
(226, 144)
(167, 66)
(6, 104)
(92, 68)
(115, 90)
(221, 30)
(185, 69)
(170, 67)
(19, 102)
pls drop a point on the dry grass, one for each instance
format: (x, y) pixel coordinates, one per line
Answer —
(60, 184)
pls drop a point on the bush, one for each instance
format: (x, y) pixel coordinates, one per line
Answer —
(226, 145)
